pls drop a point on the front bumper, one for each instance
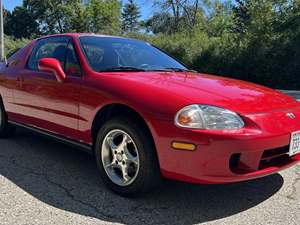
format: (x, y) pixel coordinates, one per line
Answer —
(231, 156)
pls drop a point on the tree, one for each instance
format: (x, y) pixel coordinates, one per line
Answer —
(104, 16)
(220, 19)
(160, 23)
(6, 21)
(76, 17)
(130, 17)
(20, 23)
(256, 40)
(184, 13)
(242, 15)
(177, 15)
(174, 7)
(61, 16)
(50, 14)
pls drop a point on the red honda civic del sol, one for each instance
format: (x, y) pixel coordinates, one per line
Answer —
(144, 115)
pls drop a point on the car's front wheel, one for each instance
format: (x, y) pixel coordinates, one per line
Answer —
(126, 157)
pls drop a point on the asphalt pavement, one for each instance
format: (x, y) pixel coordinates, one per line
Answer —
(46, 182)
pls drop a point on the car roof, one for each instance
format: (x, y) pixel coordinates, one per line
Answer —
(83, 34)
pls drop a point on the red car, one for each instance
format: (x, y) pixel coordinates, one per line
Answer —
(144, 115)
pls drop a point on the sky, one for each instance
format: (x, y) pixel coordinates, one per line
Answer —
(10, 4)
(145, 6)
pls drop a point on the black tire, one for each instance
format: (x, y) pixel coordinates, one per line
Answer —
(6, 129)
(148, 176)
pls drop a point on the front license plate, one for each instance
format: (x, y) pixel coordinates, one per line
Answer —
(295, 143)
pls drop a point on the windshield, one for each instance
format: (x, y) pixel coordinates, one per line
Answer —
(116, 54)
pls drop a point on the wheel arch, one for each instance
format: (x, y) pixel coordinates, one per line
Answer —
(111, 110)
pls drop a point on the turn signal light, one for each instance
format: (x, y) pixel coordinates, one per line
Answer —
(184, 119)
(183, 146)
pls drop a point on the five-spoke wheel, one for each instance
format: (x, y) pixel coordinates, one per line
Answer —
(120, 157)
(126, 156)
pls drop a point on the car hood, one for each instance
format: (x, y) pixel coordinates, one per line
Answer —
(239, 96)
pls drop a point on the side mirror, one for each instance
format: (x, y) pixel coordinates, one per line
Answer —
(52, 65)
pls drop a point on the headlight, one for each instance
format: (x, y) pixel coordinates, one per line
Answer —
(208, 117)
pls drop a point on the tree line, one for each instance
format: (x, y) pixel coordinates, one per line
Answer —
(255, 40)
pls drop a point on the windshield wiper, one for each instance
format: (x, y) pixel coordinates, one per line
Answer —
(123, 68)
(181, 70)
(138, 69)
(171, 69)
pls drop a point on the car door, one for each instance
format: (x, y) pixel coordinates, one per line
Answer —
(43, 102)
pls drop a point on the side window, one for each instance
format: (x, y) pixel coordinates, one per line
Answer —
(48, 48)
(72, 66)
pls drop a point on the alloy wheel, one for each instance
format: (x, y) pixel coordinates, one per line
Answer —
(120, 157)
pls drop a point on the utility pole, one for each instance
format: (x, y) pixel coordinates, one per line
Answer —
(1, 32)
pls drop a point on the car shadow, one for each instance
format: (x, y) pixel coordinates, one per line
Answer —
(66, 178)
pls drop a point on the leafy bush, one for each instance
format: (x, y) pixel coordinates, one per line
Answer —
(12, 44)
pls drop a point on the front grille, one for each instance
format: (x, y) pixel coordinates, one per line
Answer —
(274, 157)
(274, 153)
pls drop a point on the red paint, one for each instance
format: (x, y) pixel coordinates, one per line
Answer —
(51, 65)
(69, 107)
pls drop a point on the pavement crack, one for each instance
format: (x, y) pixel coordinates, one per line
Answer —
(142, 207)
(67, 191)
